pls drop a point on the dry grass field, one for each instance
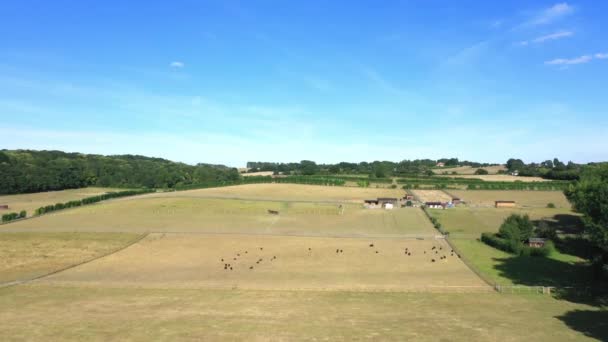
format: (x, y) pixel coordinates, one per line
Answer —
(291, 192)
(432, 195)
(308, 273)
(204, 215)
(278, 263)
(139, 314)
(536, 199)
(502, 178)
(28, 255)
(261, 173)
(467, 170)
(31, 202)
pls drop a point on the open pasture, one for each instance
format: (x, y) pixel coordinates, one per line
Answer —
(39, 312)
(432, 195)
(31, 202)
(502, 178)
(523, 198)
(468, 170)
(279, 263)
(192, 214)
(471, 222)
(291, 192)
(28, 255)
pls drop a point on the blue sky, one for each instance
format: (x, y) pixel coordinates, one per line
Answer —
(232, 81)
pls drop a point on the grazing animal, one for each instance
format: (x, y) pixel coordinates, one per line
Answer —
(250, 267)
(238, 254)
(424, 252)
(432, 260)
(233, 258)
(341, 251)
(245, 252)
(310, 249)
(371, 245)
(376, 252)
(337, 251)
(222, 259)
(409, 253)
(231, 268)
(261, 248)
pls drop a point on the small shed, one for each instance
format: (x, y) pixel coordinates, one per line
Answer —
(408, 197)
(3, 206)
(388, 206)
(434, 205)
(536, 242)
(456, 200)
(371, 201)
(504, 204)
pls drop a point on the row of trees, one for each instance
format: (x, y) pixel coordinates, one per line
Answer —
(513, 234)
(89, 200)
(376, 169)
(24, 171)
(550, 169)
(13, 216)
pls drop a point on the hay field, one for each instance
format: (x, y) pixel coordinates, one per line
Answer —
(502, 178)
(28, 255)
(295, 192)
(278, 263)
(139, 314)
(467, 170)
(31, 202)
(205, 215)
(523, 198)
(260, 173)
(432, 195)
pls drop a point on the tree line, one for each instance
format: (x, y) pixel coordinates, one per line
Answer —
(26, 171)
(89, 200)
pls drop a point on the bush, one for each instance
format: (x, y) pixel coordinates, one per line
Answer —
(550, 205)
(481, 172)
(22, 214)
(9, 217)
(393, 186)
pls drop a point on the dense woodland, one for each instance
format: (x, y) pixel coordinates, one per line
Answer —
(24, 171)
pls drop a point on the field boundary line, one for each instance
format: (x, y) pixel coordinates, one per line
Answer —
(114, 251)
(251, 199)
(342, 236)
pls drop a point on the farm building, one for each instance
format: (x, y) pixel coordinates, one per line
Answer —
(440, 164)
(456, 200)
(504, 204)
(371, 201)
(385, 200)
(408, 197)
(388, 206)
(3, 206)
(536, 242)
(434, 205)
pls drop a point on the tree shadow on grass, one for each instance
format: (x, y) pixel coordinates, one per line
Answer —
(592, 323)
(564, 223)
(541, 271)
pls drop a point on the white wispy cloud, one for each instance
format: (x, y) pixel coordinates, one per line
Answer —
(177, 64)
(548, 37)
(570, 61)
(550, 15)
(601, 55)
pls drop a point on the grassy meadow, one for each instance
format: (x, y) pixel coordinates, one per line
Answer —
(31, 202)
(308, 273)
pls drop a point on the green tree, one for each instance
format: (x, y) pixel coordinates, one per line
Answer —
(481, 172)
(590, 197)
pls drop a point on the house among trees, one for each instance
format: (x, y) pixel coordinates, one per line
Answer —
(440, 164)
(536, 242)
(504, 204)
